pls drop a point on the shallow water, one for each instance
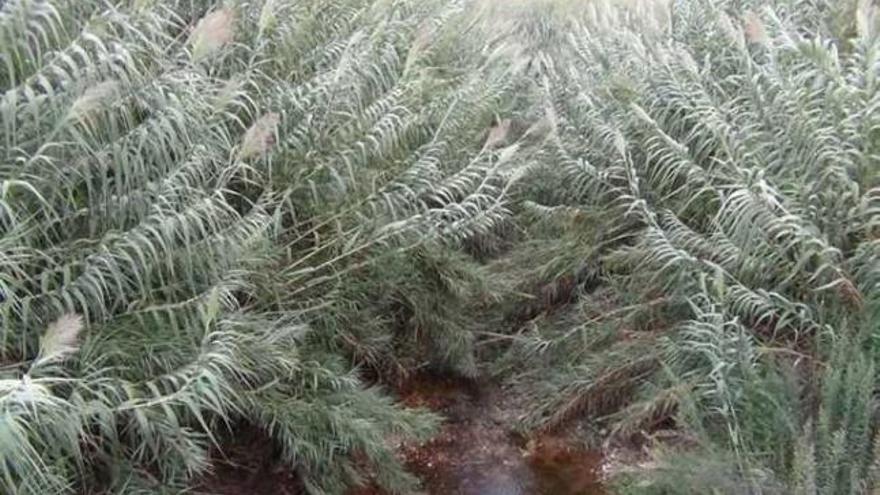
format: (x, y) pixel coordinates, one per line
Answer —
(476, 454)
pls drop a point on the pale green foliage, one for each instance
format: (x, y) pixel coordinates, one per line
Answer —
(195, 180)
(722, 182)
(211, 213)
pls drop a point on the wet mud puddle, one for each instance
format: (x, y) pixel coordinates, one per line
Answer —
(476, 453)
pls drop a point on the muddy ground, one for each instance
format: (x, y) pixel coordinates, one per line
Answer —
(475, 453)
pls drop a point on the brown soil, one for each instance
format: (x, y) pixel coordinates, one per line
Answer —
(248, 465)
(476, 453)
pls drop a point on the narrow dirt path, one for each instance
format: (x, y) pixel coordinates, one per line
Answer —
(476, 453)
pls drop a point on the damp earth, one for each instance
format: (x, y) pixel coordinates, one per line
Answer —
(477, 453)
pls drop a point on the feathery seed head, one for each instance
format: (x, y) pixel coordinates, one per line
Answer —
(212, 32)
(754, 29)
(260, 137)
(61, 337)
(94, 98)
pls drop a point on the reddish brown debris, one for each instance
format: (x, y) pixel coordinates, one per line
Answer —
(475, 453)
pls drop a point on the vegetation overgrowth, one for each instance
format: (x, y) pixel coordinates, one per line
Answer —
(659, 219)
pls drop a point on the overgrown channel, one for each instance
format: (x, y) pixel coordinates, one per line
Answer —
(476, 451)
(473, 247)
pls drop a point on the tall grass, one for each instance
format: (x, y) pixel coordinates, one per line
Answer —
(721, 184)
(187, 190)
(217, 214)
